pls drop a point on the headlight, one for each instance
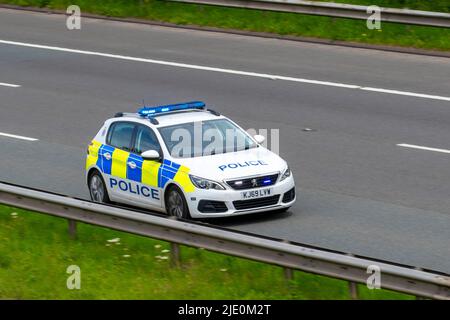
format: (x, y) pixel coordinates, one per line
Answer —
(202, 183)
(286, 174)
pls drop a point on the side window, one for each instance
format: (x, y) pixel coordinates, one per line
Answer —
(146, 140)
(120, 135)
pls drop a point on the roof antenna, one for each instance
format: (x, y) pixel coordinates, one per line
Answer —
(143, 103)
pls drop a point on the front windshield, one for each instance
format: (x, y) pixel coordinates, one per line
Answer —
(204, 138)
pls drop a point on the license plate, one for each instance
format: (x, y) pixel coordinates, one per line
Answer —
(256, 193)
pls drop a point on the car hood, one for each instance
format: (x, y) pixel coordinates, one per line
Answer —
(255, 161)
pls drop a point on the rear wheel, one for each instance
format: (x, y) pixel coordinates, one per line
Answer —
(176, 203)
(97, 188)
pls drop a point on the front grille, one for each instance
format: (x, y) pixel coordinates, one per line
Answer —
(255, 182)
(209, 206)
(289, 196)
(256, 203)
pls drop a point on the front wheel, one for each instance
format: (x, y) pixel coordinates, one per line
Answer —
(97, 189)
(176, 203)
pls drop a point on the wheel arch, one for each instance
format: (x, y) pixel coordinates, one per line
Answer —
(169, 185)
(90, 172)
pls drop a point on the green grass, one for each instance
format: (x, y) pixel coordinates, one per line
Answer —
(270, 22)
(35, 252)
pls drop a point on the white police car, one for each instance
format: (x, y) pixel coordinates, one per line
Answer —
(188, 161)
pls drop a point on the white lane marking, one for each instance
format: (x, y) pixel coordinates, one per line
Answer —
(422, 148)
(17, 137)
(180, 65)
(405, 93)
(9, 85)
(229, 71)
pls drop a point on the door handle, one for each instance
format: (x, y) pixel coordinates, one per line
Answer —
(132, 164)
(107, 156)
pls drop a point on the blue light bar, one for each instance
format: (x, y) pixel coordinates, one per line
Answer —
(149, 111)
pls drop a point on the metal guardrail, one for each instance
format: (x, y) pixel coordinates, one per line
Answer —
(337, 265)
(331, 9)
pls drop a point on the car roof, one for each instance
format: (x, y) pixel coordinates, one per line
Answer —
(184, 117)
(169, 119)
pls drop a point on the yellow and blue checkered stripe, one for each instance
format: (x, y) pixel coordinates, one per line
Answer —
(150, 173)
(167, 172)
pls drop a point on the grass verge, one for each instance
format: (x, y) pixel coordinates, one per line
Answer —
(35, 252)
(263, 21)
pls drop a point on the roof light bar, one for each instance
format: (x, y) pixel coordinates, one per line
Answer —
(150, 111)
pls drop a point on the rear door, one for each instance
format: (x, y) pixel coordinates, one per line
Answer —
(114, 155)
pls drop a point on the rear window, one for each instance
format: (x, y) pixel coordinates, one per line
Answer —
(120, 135)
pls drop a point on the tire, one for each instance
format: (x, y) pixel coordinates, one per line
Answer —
(97, 188)
(176, 203)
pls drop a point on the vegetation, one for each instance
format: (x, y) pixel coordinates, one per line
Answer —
(35, 252)
(271, 22)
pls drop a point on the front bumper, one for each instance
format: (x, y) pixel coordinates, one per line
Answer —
(228, 196)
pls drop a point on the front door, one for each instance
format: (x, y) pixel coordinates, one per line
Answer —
(146, 172)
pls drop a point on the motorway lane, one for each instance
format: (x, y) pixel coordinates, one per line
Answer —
(325, 219)
(320, 62)
(352, 152)
(359, 192)
(33, 163)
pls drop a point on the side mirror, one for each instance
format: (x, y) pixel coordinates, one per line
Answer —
(150, 155)
(259, 138)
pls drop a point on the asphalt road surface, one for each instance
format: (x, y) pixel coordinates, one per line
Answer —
(359, 191)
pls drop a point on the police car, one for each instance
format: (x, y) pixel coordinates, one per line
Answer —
(188, 161)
